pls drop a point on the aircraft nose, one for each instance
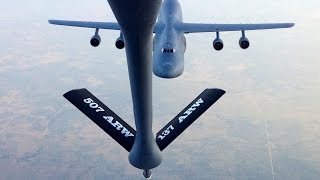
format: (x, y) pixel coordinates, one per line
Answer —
(167, 67)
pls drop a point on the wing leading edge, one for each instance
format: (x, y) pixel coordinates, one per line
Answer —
(87, 24)
(185, 27)
(198, 27)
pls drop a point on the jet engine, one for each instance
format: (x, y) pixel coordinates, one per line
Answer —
(119, 43)
(244, 42)
(217, 43)
(95, 40)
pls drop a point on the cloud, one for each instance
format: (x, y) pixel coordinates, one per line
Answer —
(14, 103)
(237, 67)
(51, 57)
(94, 81)
(19, 61)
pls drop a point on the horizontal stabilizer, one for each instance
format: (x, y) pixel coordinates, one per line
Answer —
(187, 116)
(100, 114)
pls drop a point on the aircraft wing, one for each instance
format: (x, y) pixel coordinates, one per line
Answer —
(197, 27)
(87, 24)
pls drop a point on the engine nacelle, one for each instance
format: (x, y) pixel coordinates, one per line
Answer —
(119, 43)
(95, 40)
(217, 44)
(244, 43)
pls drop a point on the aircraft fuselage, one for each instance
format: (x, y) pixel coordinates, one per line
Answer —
(169, 42)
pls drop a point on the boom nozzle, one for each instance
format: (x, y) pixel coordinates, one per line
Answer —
(147, 173)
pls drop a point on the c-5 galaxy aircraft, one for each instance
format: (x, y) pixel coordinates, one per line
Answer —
(137, 22)
(169, 43)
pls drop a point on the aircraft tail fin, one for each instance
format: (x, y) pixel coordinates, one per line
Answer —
(187, 116)
(100, 114)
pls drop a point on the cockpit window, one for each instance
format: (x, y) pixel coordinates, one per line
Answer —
(167, 50)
